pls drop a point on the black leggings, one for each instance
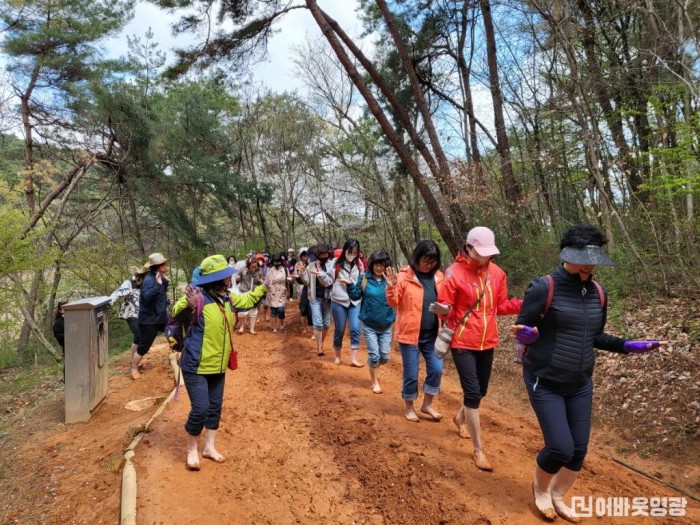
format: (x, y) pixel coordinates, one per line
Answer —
(133, 323)
(148, 335)
(474, 369)
(565, 421)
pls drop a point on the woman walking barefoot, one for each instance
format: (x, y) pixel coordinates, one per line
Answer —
(474, 293)
(206, 352)
(376, 315)
(562, 319)
(411, 291)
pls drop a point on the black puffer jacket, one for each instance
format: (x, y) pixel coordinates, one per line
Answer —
(562, 357)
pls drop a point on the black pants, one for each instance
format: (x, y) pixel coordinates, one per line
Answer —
(206, 397)
(565, 421)
(474, 369)
(133, 323)
(148, 335)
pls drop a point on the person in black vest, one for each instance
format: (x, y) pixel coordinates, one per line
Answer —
(59, 332)
(59, 326)
(559, 359)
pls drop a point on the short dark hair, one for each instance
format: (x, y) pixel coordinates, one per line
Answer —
(276, 257)
(425, 248)
(322, 247)
(59, 307)
(378, 256)
(582, 235)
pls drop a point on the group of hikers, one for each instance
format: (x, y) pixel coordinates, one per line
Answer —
(428, 312)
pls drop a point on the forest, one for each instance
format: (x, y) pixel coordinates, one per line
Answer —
(524, 116)
(420, 120)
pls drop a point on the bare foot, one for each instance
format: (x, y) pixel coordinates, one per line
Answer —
(356, 364)
(274, 330)
(192, 460)
(337, 360)
(482, 462)
(437, 416)
(135, 374)
(377, 389)
(461, 427)
(214, 455)
(412, 416)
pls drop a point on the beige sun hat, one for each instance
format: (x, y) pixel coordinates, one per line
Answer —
(155, 259)
(139, 270)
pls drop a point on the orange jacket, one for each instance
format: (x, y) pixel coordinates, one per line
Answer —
(464, 282)
(407, 298)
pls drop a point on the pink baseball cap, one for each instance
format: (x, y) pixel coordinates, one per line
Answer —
(483, 240)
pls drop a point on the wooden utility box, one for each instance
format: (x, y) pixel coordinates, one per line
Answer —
(87, 356)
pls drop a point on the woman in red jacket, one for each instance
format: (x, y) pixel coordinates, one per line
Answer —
(473, 294)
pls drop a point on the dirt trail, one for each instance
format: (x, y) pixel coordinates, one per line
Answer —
(306, 442)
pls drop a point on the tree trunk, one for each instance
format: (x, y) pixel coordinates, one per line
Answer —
(74, 176)
(604, 100)
(392, 136)
(442, 173)
(27, 125)
(34, 328)
(510, 186)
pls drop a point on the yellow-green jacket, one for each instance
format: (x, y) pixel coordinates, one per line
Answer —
(208, 342)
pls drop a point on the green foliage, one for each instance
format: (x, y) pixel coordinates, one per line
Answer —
(8, 354)
(52, 44)
(96, 266)
(120, 337)
(11, 161)
(537, 255)
(21, 383)
(21, 252)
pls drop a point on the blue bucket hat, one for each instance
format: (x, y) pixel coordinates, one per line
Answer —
(214, 268)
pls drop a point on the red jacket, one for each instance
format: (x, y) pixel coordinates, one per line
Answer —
(464, 282)
(407, 298)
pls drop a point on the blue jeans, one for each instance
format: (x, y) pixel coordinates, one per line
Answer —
(206, 394)
(409, 356)
(378, 345)
(343, 315)
(321, 313)
(565, 421)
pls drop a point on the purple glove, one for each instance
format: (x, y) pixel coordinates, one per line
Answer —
(639, 347)
(527, 335)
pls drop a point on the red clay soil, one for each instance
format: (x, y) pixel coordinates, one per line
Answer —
(306, 442)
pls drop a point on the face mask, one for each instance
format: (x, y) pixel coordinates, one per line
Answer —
(323, 260)
(349, 257)
(277, 264)
(260, 263)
